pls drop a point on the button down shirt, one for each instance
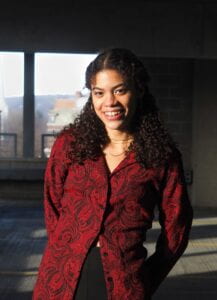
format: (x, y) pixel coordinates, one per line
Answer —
(86, 202)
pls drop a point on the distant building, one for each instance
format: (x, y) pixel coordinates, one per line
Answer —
(62, 114)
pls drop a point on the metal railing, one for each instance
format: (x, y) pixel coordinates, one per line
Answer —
(43, 137)
(2, 141)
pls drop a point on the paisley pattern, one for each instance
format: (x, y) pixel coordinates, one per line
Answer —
(85, 202)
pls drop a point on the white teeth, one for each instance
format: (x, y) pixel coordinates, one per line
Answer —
(112, 113)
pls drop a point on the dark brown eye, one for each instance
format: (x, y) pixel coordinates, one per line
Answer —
(120, 91)
(97, 93)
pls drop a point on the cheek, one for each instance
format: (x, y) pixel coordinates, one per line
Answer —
(96, 105)
(97, 108)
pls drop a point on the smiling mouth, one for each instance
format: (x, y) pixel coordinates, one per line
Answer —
(113, 113)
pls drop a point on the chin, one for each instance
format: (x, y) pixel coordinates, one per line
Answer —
(115, 126)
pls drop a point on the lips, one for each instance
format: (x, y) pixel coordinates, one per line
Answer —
(113, 115)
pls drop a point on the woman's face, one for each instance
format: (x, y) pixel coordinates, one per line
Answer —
(112, 100)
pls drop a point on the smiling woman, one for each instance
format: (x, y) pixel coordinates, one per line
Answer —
(114, 104)
(106, 174)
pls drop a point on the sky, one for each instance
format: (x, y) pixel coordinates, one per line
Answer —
(54, 73)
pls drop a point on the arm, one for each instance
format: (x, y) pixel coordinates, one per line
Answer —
(175, 217)
(55, 173)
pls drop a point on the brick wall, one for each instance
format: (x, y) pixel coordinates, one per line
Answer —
(172, 86)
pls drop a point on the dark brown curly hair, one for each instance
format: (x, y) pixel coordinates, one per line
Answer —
(152, 144)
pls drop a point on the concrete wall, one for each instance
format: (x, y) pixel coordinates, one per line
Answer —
(21, 179)
(172, 86)
(204, 153)
(150, 28)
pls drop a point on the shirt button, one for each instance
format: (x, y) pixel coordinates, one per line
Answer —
(105, 254)
(101, 206)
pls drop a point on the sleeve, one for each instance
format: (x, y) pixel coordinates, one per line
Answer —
(175, 218)
(55, 173)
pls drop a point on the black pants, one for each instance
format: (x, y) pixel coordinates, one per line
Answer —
(91, 284)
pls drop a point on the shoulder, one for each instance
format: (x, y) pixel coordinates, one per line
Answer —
(64, 138)
(175, 159)
(174, 170)
(62, 144)
(172, 165)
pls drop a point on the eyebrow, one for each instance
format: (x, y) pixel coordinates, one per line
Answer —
(116, 86)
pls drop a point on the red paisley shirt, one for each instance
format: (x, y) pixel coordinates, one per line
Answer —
(86, 202)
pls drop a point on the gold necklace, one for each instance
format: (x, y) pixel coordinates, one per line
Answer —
(113, 141)
(119, 141)
(115, 154)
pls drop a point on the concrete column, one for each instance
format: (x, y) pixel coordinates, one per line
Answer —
(205, 134)
(28, 106)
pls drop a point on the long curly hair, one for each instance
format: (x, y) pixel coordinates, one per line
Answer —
(151, 142)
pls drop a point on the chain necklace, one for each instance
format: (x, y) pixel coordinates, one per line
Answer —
(115, 154)
(120, 141)
(118, 154)
(124, 142)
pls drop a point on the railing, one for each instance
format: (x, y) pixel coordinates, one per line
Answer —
(4, 150)
(43, 148)
(46, 148)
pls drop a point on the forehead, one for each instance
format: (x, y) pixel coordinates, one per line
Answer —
(107, 77)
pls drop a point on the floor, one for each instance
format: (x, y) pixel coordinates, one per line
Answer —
(23, 237)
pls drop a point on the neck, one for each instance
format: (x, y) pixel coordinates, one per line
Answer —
(116, 135)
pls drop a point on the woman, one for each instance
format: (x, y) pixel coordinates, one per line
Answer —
(106, 174)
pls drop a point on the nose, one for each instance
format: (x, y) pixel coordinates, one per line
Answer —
(110, 99)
